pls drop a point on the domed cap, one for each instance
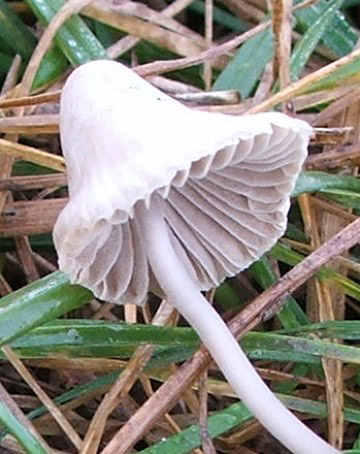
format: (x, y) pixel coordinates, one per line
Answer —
(223, 182)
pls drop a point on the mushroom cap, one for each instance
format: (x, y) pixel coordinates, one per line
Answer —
(223, 181)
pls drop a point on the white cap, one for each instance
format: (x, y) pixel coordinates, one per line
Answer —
(224, 182)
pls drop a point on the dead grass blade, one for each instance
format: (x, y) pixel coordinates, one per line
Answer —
(16, 411)
(123, 385)
(24, 183)
(324, 310)
(209, 32)
(27, 218)
(128, 42)
(33, 155)
(145, 23)
(30, 125)
(30, 100)
(175, 42)
(70, 8)
(44, 398)
(159, 67)
(303, 84)
(282, 27)
(12, 75)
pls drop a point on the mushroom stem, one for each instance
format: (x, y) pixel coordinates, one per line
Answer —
(183, 293)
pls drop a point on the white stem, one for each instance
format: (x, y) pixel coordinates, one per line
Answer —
(183, 293)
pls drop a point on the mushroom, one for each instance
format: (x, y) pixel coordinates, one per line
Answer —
(174, 200)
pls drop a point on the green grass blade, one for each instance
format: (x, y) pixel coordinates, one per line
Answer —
(75, 39)
(90, 338)
(190, 438)
(36, 303)
(276, 347)
(338, 77)
(233, 416)
(307, 44)
(318, 409)
(340, 329)
(349, 199)
(21, 433)
(93, 387)
(15, 33)
(314, 181)
(340, 37)
(228, 297)
(287, 255)
(221, 17)
(42, 242)
(344, 189)
(5, 62)
(21, 40)
(245, 69)
(290, 315)
(100, 335)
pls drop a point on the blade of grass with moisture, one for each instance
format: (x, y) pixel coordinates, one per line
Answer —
(340, 37)
(307, 44)
(37, 303)
(22, 41)
(245, 69)
(233, 416)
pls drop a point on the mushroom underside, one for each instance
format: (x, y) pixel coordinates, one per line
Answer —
(222, 214)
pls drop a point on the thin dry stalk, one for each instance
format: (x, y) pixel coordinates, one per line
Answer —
(16, 411)
(325, 311)
(207, 444)
(130, 311)
(5, 288)
(159, 67)
(209, 12)
(152, 26)
(245, 10)
(303, 84)
(70, 8)
(310, 100)
(11, 76)
(337, 107)
(6, 162)
(22, 243)
(32, 155)
(282, 27)
(30, 100)
(43, 397)
(340, 157)
(45, 264)
(122, 386)
(265, 84)
(26, 258)
(30, 125)
(25, 183)
(128, 42)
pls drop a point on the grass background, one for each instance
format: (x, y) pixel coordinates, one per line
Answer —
(61, 349)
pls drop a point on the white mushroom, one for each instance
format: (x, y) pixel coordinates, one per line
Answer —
(167, 198)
